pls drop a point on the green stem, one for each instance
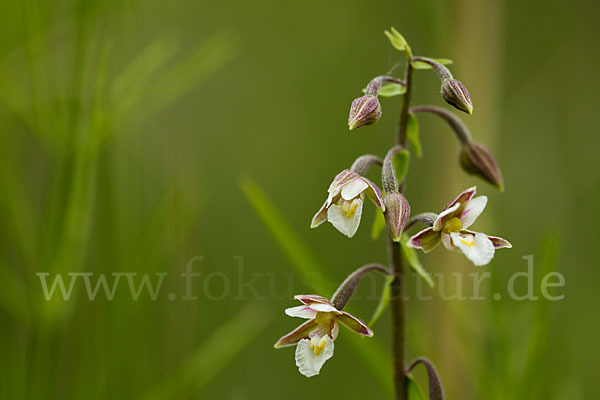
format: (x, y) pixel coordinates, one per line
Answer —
(458, 126)
(398, 321)
(397, 265)
(404, 111)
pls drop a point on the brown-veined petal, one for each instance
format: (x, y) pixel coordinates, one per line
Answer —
(297, 334)
(320, 216)
(425, 240)
(500, 243)
(355, 324)
(311, 298)
(374, 194)
(463, 197)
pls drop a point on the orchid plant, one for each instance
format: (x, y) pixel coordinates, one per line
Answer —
(343, 208)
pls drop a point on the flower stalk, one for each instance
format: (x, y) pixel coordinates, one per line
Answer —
(314, 339)
(345, 291)
(398, 306)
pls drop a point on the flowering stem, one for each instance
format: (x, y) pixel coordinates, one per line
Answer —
(397, 264)
(390, 181)
(398, 321)
(404, 112)
(458, 127)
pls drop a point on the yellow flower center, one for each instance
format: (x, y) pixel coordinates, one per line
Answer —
(349, 207)
(318, 348)
(324, 318)
(453, 225)
(468, 240)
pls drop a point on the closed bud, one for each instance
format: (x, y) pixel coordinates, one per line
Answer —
(397, 213)
(457, 95)
(365, 110)
(477, 160)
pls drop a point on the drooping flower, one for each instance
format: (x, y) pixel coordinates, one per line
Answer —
(314, 338)
(475, 159)
(450, 227)
(343, 207)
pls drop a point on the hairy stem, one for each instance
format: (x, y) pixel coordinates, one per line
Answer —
(443, 72)
(345, 291)
(404, 111)
(363, 163)
(426, 218)
(458, 126)
(397, 266)
(375, 84)
(398, 321)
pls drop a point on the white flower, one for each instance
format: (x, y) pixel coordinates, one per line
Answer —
(343, 207)
(312, 353)
(314, 338)
(450, 227)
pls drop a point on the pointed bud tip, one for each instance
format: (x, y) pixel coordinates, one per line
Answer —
(365, 110)
(457, 95)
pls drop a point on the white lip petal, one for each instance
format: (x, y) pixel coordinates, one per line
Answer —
(347, 225)
(438, 224)
(323, 308)
(472, 209)
(476, 247)
(307, 361)
(302, 311)
(353, 188)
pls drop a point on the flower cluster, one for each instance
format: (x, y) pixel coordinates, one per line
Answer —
(343, 208)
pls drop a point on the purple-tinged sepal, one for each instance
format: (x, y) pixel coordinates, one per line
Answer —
(314, 339)
(500, 243)
(457, 95)
(475, 159)
(355, 324)
(450, 227)
(301, 332)
(426, 240)
(311, 298)
(375, 194)
(320, 216)
(365, 110)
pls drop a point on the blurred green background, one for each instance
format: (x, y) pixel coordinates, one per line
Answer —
(126, 128)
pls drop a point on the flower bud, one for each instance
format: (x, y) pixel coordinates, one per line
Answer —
(365, 110)
(477, 160)
(397, 213)
(457, 95)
